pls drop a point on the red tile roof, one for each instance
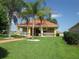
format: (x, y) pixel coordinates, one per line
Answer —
(37, 23)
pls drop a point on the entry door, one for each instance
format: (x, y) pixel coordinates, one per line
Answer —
(36, 31)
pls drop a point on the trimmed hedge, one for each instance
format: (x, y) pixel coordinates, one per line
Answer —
(71, 38)
(3, 35)
(17, 36)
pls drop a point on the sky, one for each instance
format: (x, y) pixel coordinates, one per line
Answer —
(68, 12)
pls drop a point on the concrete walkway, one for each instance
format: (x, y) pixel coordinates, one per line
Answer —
(10, 40)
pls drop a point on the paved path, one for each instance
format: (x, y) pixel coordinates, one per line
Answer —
(10, 40)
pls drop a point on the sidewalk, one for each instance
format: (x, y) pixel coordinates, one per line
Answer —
(10, 40)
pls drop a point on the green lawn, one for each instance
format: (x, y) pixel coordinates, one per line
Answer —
(46, 48)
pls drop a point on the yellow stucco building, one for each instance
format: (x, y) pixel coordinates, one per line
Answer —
(41, 28)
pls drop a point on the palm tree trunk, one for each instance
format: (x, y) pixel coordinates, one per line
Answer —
(33, 30)
(9, 16)
(9, 23)
(41, 28)
(9, 29)
(27, 29)
(28, 34)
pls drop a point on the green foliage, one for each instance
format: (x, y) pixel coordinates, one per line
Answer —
(2, 36)
(36, 8)
(2, 13)
(49, 18)
(71, 38)
(53, 20)
(3, 18)
(17, 36)
(57, 34)
(12, 5)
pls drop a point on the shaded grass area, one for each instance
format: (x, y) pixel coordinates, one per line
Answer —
(46, 48)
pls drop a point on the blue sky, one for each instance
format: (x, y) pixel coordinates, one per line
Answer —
(69, 11)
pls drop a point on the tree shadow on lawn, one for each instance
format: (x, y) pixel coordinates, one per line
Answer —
(3, 53)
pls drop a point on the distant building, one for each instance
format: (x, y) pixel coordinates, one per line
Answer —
(59, 34)
(75, 28)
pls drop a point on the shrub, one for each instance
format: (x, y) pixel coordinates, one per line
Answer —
(71, 37)
(17, 36)
(3, 35)
(57, 34)
(3, 53)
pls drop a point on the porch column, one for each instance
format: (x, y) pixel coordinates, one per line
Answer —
(29, 31)
(55, 32)
(18, 32)
(41, 31)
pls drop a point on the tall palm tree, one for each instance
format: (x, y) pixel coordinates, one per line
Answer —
(12, 6)
(25, 14)
(36, 9)
(42, 13)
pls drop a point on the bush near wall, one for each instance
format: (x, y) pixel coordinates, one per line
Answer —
(17, 36)
(71, 38)
(3, 35)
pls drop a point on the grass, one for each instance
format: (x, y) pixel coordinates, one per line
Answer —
(46, 48)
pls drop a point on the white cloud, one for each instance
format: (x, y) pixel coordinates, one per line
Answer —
(77, 13)
(56, 15)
